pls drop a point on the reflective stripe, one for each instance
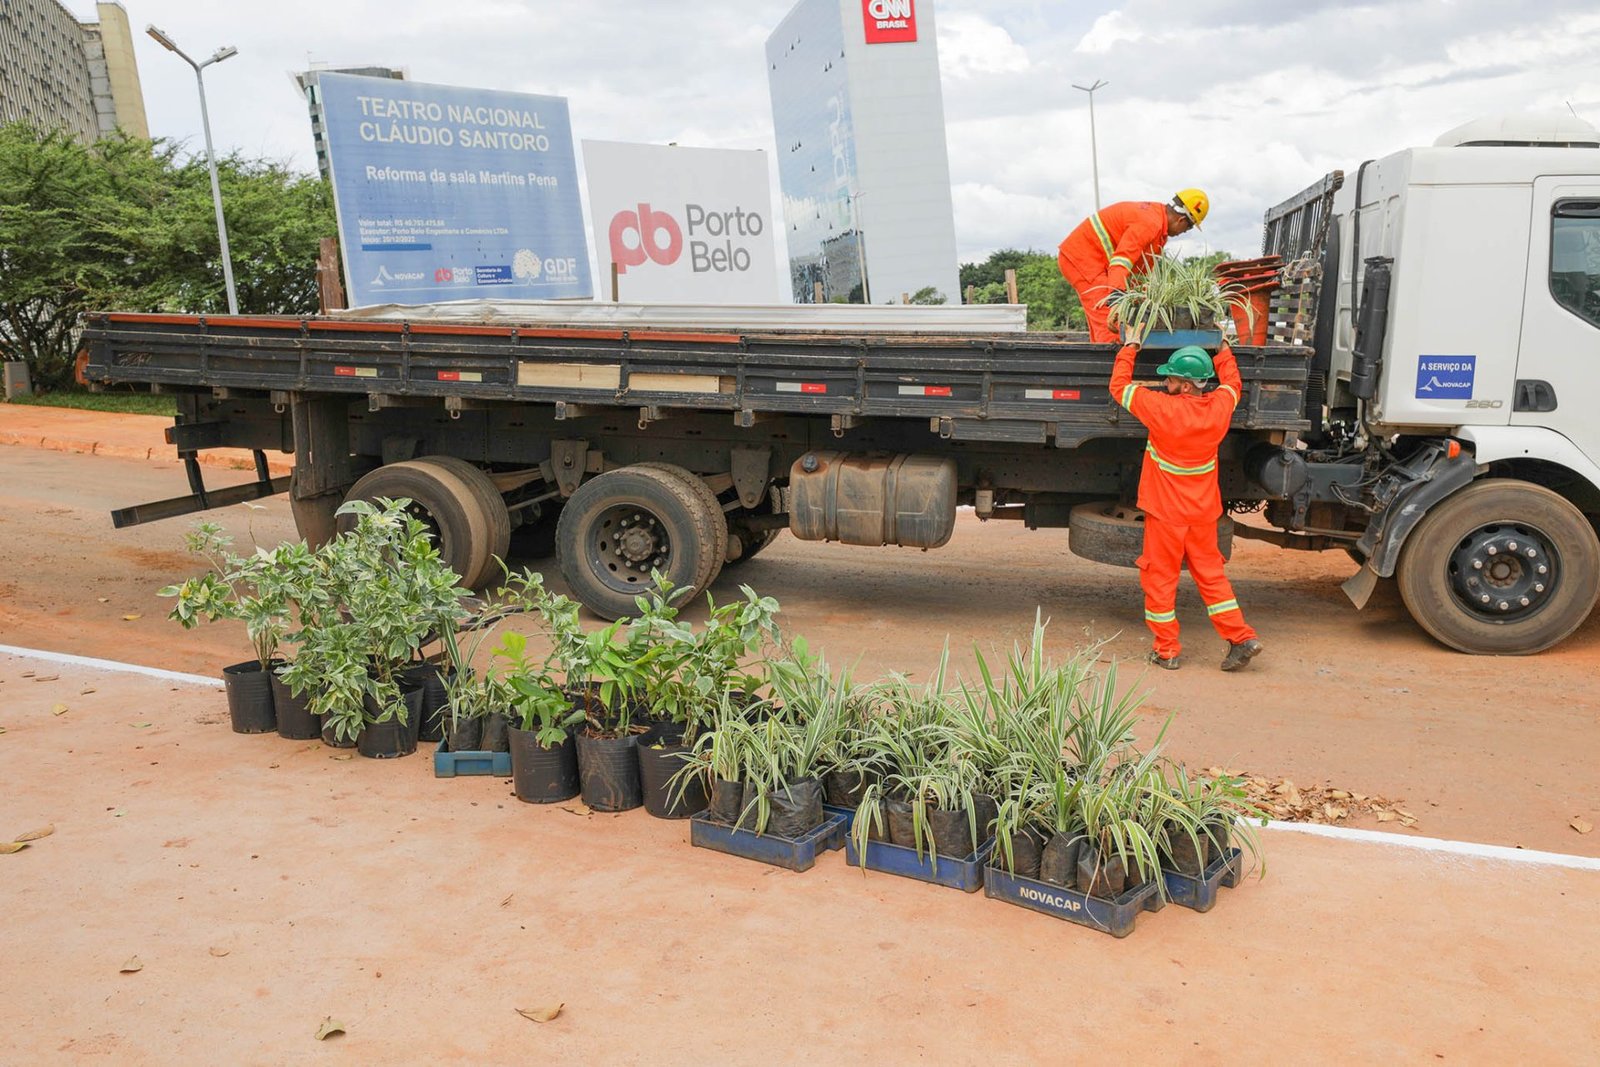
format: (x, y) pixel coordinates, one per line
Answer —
(1128, 394)
(1232, 390)
(1122, 261)
(1218, 609)
(1100, 232)
(1161, 616)
(1173, 468)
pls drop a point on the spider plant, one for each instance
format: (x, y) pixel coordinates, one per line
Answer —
(1168, 286)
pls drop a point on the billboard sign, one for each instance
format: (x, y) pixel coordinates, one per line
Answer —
(682, 225)
(446, 193)
(889, 21)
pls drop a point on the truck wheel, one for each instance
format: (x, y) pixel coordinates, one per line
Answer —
(620, 525)
(493, 503)
(1109, 532)
(744, 544)
(1504, 567)
(712, 506)
(449, 507)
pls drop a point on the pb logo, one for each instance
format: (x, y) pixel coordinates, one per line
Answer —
(637, 235)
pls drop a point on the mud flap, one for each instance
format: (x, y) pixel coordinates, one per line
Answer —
(1360, 586)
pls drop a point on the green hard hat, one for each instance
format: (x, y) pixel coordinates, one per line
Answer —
(1191, 362)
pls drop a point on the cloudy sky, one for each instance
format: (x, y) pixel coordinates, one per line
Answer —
(1251, 100)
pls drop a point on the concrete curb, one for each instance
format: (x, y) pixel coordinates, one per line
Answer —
(225, 458)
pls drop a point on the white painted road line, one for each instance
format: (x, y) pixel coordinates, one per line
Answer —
(110, 665)
(1470, 849)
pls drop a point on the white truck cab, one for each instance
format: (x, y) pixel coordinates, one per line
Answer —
(1465, 347)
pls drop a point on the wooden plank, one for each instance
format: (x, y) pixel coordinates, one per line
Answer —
(570, 375)
(646, 382)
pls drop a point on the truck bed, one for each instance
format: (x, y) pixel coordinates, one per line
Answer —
(1024, 388)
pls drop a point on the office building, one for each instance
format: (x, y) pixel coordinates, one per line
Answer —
(57, 73)
(858, 114)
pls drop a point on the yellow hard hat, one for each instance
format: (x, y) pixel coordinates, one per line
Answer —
(1194, 203)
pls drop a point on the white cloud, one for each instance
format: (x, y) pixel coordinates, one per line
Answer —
(1109, 30)
(970, 45)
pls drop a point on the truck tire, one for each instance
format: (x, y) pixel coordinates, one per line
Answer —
(493, 503)
(620, 525)
(1108, 532)
(743, 542)
(1464, 582)
(712, 506)
(446, 503)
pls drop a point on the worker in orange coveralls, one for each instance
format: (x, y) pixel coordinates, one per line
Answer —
(1179, 495)
(1119, 241)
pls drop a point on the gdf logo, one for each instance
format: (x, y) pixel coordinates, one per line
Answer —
(637, 235)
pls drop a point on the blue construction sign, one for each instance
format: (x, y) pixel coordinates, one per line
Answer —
(446, 193)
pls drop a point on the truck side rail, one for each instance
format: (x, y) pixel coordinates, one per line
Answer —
(999, 387)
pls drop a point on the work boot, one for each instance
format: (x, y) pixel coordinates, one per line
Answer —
(1170, 663)
(1241, 653)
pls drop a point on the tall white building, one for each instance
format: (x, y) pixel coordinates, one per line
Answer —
(57, 73)
(862, 163)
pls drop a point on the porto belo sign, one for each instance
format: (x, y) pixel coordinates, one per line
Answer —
(682, 225)
(446, 193)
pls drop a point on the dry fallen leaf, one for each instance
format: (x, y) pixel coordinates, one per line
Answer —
(46, 677)
(328, 1028)
(34, 835)
(345, 755)
(130, 618)
(119, 813)
(1385, 816)
(2, 729)
(541, 1015)
(139, 725)
(27, 674)
(219, 952)
(86, 692)
(59, 709)
(133, 966)
(104, 600)
(8, 847)
(506, 901)
(1578, 823)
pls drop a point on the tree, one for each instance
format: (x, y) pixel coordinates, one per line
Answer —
(126, 224)
(927, 295)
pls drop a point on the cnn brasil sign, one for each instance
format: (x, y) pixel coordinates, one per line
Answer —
(888, 21)
(682, 224)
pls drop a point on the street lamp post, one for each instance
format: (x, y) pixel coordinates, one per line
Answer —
(211, 155)
(1094, 149)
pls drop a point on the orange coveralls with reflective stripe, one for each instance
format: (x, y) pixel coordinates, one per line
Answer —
(1179, 496)
(1109, 245)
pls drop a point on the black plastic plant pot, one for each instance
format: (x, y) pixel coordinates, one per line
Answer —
(434, 697)
(985, 810)
(1103, 877)
(541, 775)
(727, 801)
(608, 770)
(843, 789)
(1058, 860)
(795, 809)
(249, 698)
(1183, 854)
(658, 762)
(295, 720)
(465, 735)
(902, 828)
(1026, 847)
(391, 739)
(952, 833)
(333, 740)
(495, 737)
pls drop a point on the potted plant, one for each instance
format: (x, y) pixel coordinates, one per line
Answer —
(604, 677)
(1173, 294)
(253, 590)
(382, 584)
(544, 757)
(474, 705)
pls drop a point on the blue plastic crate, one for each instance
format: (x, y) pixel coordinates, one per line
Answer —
(849, 821)
(963, 874)
(1201, 893)
(1235, 872)
(1114, 917)
(1157, 339)
(791, 853)
(460, 764)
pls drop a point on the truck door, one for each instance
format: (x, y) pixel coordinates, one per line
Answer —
(1558, 363)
